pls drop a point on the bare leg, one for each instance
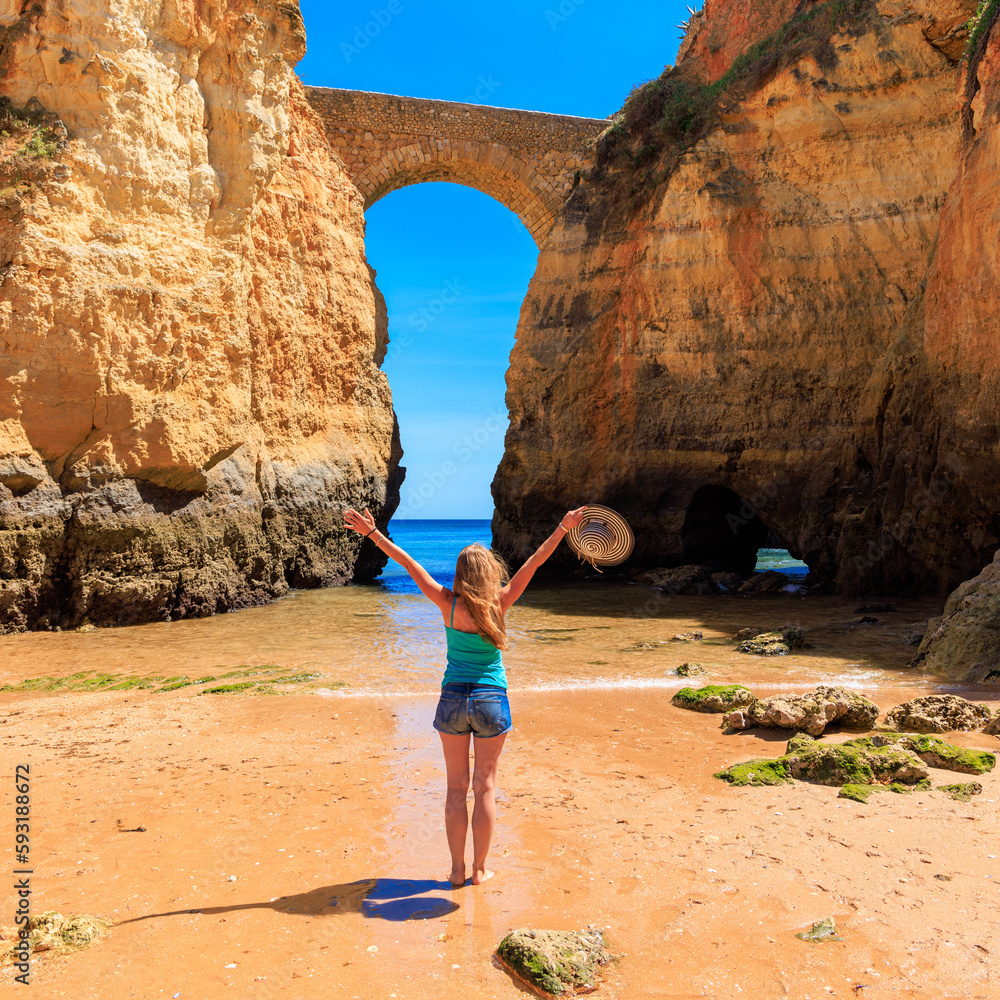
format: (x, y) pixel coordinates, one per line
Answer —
(456, 812)
(484, 812)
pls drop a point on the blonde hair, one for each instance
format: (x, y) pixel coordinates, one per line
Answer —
(479, 575)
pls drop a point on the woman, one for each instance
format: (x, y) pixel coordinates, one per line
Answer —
(474, 690)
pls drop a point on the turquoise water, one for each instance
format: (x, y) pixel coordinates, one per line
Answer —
(780, 560)
(436, 544)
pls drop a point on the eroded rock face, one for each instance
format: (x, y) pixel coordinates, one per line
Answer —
(964, 643)
(938, 713)
(189, 390)
(748, 342)
(808, 713)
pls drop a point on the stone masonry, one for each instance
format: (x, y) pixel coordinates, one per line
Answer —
(526, 160)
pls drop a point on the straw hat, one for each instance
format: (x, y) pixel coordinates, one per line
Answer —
(602, 538)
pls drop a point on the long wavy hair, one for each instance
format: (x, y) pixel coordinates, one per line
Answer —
(479, 575)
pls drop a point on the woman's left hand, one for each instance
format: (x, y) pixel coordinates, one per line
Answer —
(363, 524)
(572, 518)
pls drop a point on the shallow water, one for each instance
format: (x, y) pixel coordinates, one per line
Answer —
(595, 633)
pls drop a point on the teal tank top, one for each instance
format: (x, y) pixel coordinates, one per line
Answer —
(471, 659)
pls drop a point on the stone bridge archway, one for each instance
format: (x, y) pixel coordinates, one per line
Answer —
(526, 160)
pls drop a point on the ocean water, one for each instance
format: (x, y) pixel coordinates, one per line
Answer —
(385, 637)
(436, 544)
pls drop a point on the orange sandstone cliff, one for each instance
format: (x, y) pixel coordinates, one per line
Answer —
(762, 327)
(189, 331)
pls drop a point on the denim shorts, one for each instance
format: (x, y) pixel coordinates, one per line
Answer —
(480, 709)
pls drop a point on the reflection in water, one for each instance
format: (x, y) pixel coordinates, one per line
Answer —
(377, 640)
(385, 637)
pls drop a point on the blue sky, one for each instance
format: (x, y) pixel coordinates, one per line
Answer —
(453, 264)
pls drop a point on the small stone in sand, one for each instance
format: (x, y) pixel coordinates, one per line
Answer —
(555, 961)
(822, 930)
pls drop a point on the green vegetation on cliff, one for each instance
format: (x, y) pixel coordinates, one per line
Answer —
(28, 143)
(663, 118)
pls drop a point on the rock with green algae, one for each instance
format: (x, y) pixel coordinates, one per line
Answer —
(757, 772)
(859, 793)
(855, 762)
(713, 698)
(52, 932)
(776, 643)
(555, 961)
(822, 930)
(810, 713)
(946, 756)
(690, 670)
(962, 792)
(938, 713)
(798, 741)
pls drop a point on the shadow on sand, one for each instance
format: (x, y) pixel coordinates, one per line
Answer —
(385, 898)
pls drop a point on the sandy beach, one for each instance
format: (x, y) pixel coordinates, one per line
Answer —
(293, 847)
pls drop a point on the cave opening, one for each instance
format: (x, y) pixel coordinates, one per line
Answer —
(723, 532)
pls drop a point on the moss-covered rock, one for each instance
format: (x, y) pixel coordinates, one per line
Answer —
(713, 698)
(776, 643)
(555, 961)
(822, 930)
(757, 772)
(898, 761)
(962, 792)
(810, 713)
(859, 793)
(52, 932)
(690, 670)
(937, 753)
(938, 713)
(856, 762)
(798, 741)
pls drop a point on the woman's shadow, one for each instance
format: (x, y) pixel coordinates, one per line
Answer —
(386, 898)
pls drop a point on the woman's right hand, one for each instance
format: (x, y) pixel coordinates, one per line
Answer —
(363, 524)
(572, 518)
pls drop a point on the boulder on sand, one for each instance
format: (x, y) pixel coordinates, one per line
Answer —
(680, 580)
(713, 698)
(766, 582)
(890, 759)
(690, 670)
(776, 643)
(938, 713)
(857, 762)
(555, 961)
(728, 583)
(808, 713)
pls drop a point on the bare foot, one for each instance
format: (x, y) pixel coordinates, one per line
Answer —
(457, 878)
(480, 875)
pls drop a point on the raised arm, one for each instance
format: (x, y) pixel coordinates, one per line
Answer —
(364, 524)
(523, 576)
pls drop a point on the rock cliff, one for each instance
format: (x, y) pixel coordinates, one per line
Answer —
(189, 382)
(740, 329)
(949, 355)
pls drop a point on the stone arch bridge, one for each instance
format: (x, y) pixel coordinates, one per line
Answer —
(526, 160)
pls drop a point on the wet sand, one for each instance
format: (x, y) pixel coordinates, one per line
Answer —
(328, 812)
